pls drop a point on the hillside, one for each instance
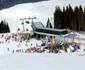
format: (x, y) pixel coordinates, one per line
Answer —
(9, 3)
(42, 10)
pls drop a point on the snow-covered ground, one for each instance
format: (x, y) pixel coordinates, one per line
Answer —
(38, 61)
(70, 61)
(12, 45)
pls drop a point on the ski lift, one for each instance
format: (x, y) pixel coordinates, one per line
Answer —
(18, 29)
(27, 22)
(27, 30)
(22, 23)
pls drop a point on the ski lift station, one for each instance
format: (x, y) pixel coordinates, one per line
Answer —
(38, 28)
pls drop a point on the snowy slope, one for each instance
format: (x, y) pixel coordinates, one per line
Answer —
(38, 61)
(12, 45)
(70, 61)
(42, 10)
(34, 61)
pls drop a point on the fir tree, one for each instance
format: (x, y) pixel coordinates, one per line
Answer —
(4, 28)
(70, 18)
(48, 25)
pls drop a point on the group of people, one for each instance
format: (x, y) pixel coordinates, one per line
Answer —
(58, 48)
(17, 37)
(45, 47)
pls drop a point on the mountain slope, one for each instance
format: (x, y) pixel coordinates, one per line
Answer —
(42, 10)
(9, 3)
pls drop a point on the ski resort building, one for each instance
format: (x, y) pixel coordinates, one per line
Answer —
(39, 28)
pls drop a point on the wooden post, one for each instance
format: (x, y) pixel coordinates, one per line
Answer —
(53, 41)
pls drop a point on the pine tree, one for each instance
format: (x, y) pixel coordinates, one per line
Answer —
(70, 18)
(57, 18)
(4, 28)
(8, 29)
(48, 25)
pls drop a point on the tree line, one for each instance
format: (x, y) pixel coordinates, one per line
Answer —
(73, 18)
(4, 27)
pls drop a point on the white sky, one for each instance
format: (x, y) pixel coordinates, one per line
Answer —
(42, 10)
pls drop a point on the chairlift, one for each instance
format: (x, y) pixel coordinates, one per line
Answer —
(27, 22)
(22, 23)
(18, 29)
(27, 30)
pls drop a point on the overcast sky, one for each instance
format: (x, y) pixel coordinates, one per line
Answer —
(42, 10)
